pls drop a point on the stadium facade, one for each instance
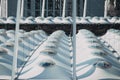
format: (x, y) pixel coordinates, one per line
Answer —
(30, 52)
(52, 8)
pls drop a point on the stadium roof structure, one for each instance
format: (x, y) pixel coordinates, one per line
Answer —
(42, 56)
(37, 55)
(61, 20)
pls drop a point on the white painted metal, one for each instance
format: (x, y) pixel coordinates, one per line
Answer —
(105, 10)
(14, 68)
(74, 39)
(85, 8)
(43, 8)
(22, 9)
(64, 5)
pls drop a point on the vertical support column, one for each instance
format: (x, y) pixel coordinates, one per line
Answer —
(43, 9)
(14, 68)
(74, 39)
(105, 8)
(4, 8)
(33, 8)
(64, 5)
(85, 8)
(22, 9)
